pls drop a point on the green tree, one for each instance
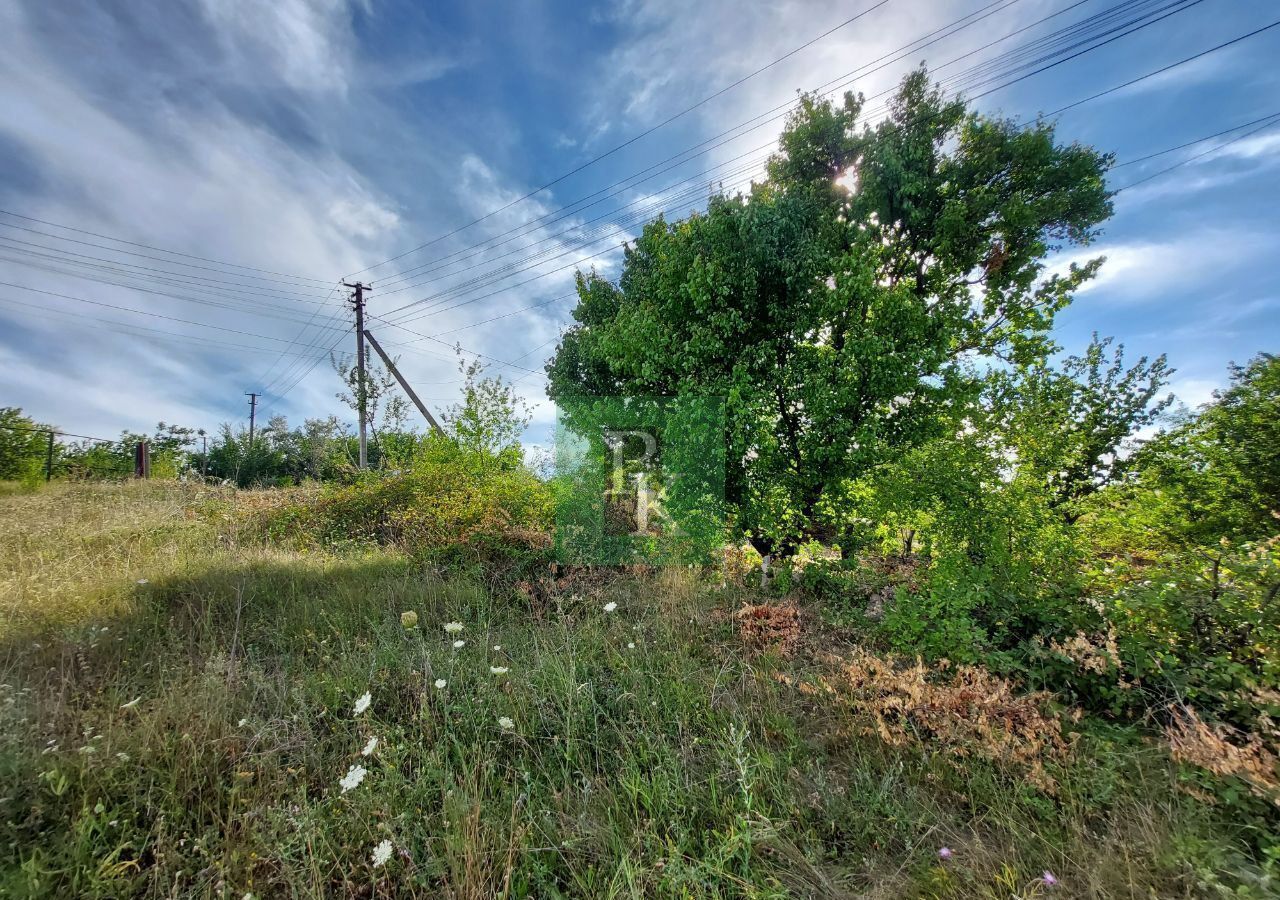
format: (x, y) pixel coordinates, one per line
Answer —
(1215, 476)
(385, 410)
(491, 417)
(1071, 428)
(24, 445)
(835, 323)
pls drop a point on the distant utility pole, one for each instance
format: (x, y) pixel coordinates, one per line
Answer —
(357, 301)
(253, 412)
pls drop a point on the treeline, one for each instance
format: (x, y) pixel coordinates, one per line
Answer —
(489, 417)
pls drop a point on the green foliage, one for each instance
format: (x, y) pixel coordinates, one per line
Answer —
(833, 323)
(1216, 475)
(1069, 428)
(457, 506)
(491, 417)
(23, 447)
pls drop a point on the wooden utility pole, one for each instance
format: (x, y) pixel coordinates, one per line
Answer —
(48, 460)
(404, 384)
(142, 460)
(357, 301)
(253, 412)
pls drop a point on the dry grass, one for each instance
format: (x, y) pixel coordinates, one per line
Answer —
(961, 711)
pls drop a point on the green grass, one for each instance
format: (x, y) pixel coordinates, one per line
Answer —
(682, 766)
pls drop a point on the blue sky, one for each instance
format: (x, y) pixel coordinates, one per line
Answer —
(314, 138)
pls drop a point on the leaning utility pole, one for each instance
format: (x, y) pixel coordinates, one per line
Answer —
(253, 411)
(357, 301)
(422, 408)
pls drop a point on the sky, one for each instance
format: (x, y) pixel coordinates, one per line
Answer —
(253, 154)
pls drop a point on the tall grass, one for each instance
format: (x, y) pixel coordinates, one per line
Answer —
(178, 709)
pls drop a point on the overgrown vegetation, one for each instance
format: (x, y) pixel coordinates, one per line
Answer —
(986, 620)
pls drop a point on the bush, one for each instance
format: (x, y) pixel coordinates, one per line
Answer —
(458, 507)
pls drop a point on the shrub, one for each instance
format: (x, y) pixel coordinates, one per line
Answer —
(456, 506)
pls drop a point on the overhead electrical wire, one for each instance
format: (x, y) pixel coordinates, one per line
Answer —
(107, 237)
(934, 36)
(142, 312)
(1199, 140)
(129, 328)
(1178, 5)
(439, 305)
(1263, 127)
(1105, 17)
(632, 140)
(97, 262)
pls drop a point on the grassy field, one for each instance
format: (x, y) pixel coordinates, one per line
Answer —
(181, 716)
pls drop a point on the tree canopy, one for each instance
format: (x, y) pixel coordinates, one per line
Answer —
(835, 308)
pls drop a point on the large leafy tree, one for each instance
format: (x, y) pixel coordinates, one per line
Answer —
(834, 321)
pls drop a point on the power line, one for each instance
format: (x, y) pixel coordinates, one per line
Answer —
(1201, 155)
(1084, 26)
(142, 312)
(158, 249)
(957, 25)
(127, 328)
(192, 282)
(253, 288)
(630, 141)
(1199, 140)
(1177, 6)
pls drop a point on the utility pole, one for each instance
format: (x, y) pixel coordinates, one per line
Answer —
(357, 301)
(253, 412)
(48, 460)
(422, 408)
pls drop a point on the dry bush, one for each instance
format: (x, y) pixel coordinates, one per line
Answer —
(963, 711)
(768, 626)
(1097, 654)
(1224, 751)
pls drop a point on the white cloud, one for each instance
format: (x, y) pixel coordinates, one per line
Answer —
(1144, 270)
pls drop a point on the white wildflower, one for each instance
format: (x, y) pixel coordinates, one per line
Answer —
(370, 747)
(631, 645)
(362, 703)
(381, 853)
(458, 645)
(242, 723)
(452, 627)
(440, 683)
(131, 704)
(498, 670)
(506, 722)
(497, 647)
(352, 779)
(610, 606)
